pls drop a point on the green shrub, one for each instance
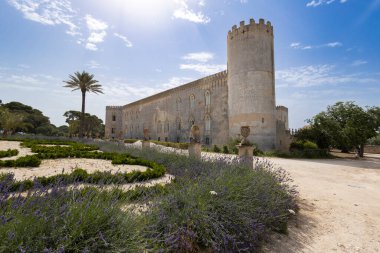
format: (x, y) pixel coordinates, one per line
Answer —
(8, 153)
(302, 145)
(130, 140)
(25, 161)
(216, 149)
(179, 145)
(310, 145)
(225, 149)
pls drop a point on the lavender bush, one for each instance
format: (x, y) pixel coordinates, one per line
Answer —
(56, 220)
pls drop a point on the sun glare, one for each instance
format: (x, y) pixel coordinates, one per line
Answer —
(143, 11)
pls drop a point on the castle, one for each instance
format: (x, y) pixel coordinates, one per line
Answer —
(243, 95)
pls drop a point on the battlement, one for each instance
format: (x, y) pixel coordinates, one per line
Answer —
(252, 26)
(281, 108)
(114, 107)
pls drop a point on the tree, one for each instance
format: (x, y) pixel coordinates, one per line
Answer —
(347, 125)
(93, 126)
(84, 82)
(9, 121)
(32, 118)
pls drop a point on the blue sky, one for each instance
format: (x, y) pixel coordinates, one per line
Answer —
(325, 50)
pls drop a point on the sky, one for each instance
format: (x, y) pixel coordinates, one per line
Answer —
(325, 50)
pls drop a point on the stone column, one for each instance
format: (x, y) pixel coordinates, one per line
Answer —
(195, 147)
(245, 147)
(146, 143)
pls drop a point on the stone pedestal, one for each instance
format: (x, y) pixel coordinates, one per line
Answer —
(195, 150)
(246, 155)
(145, 144)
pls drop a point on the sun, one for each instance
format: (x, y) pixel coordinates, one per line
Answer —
(142, 11)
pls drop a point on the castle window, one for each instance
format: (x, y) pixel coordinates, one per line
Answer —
(208, 97)
(166, 139)
(113, 118)
(178, 104)
(262, 120)
(207, 141)
(178, 139)
(159, 139)
(207, 123)
(192, 101)
(179, 124)
(159, 127)
(113, 130)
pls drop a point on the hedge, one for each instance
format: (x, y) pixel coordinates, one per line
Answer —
(8, 153)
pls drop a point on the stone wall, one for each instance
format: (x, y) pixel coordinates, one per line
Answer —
(372, 149)
(169, 115)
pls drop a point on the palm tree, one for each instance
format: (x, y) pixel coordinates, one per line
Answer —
(85, 83)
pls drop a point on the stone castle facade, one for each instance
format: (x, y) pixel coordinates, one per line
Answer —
(219, 104)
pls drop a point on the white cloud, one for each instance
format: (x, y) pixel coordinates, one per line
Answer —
(127, 42)
(95, 24)
(334, 44)
(97, 37)
(199, 56)
(359, 63)
(202, 3)
(53, 12)
(93, 65)
(176, 81)
(316, 3)
(91, 47)
(298, 45)
(184, 12)
(97, 29)
(314, 75)
(206, 69)
(243, 1)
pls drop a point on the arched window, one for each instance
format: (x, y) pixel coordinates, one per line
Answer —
(207, 123)
(208, 97)
(192, 101)
(166, 128)
(178, 104)
(179, 126)
(159, 127)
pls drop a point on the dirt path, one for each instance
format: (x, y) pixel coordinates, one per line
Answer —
(340, 206)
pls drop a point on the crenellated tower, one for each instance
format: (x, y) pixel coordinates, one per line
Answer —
(251, 82)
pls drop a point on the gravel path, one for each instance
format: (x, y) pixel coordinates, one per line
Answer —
(340, 206)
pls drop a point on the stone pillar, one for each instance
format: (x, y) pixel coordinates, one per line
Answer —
(195, 147)
(245, 147)
(146, 143)
(195, 150)
(246, 155)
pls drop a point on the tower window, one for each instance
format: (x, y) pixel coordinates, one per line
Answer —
(262, 120)
(113, 118)
(113, 130)
(207, 141)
